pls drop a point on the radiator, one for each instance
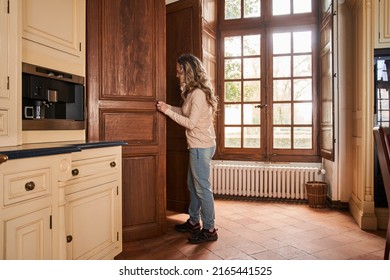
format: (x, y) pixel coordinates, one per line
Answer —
(262, 180)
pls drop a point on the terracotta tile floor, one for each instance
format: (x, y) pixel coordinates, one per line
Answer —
(266, 231)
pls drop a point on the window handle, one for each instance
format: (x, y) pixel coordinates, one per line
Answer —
(261, 106)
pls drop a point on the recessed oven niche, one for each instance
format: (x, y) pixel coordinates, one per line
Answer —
(52, 100)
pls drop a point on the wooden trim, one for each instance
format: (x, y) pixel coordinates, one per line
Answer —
(52, 124)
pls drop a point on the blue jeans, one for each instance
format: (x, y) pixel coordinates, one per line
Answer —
(199, 185)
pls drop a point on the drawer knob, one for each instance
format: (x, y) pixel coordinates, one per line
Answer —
(69, 238)
(75, 172)
(29, 186)
(3, 158)
(112, 163)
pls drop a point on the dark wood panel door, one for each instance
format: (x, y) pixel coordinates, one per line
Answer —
(187, 32)
(125, 78)
(183, 36)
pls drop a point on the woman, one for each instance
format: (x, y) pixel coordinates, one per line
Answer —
(196, 115)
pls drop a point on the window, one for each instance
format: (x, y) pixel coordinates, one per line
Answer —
(268, 80)
(382, 88)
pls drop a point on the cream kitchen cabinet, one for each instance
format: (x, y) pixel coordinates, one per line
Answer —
(93, 205)
(53, 34)
(28, 215)
(381, 24)
(61, 201)
(10, 92)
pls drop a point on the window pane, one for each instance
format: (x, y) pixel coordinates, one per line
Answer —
(251, 114)
(384, 104)
(251, 8)
(327, 138)
(302, 6)
(302, 65)
(282, 90)
(251, 68)
(303, 113)
(281, 43)
(251, 137)
(384, 116)
(302, 42)
(282, 138)
(282, 114)
(232, 46)
(232, 68)
(252, 45)
(252, 91)
(303, 89)
(381, 73)
(232, 9)
(326, 112)
(232, 91)
(281, 7)
(233, 137)
(282, 66)
(303, 138)
(232, 114)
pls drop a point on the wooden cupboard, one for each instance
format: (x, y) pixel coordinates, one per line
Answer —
(125, 78)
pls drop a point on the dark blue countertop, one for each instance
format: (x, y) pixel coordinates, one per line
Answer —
(46, 149)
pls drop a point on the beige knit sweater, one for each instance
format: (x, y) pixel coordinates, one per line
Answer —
(196, 116)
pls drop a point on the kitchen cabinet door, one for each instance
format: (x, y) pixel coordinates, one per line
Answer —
(10, 92)
(93, 208)
(381, 24)
(54, 34)
(92, 221)
(28, 237)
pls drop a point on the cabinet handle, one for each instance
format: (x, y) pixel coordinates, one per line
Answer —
(112, 163)
(29, 186)
(69, 238)
(3, 158)
(75, 172)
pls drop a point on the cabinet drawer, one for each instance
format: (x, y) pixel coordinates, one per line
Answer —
(27, 185)
(95, 166)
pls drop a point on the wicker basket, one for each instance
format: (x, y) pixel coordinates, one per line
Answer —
(316, 193)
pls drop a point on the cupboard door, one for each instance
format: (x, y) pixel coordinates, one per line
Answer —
(191, 27)
(28, 237)
(126, 76)
(382, 24)
(10, 92)
(92, 223)
(54, 34)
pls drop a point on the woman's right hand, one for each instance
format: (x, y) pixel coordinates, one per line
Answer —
(162, 106)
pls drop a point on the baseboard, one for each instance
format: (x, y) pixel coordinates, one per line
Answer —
(383, 217)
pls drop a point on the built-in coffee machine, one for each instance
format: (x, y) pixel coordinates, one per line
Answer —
(52, 99)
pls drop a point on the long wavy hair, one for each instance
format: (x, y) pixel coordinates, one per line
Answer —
(195, 76)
